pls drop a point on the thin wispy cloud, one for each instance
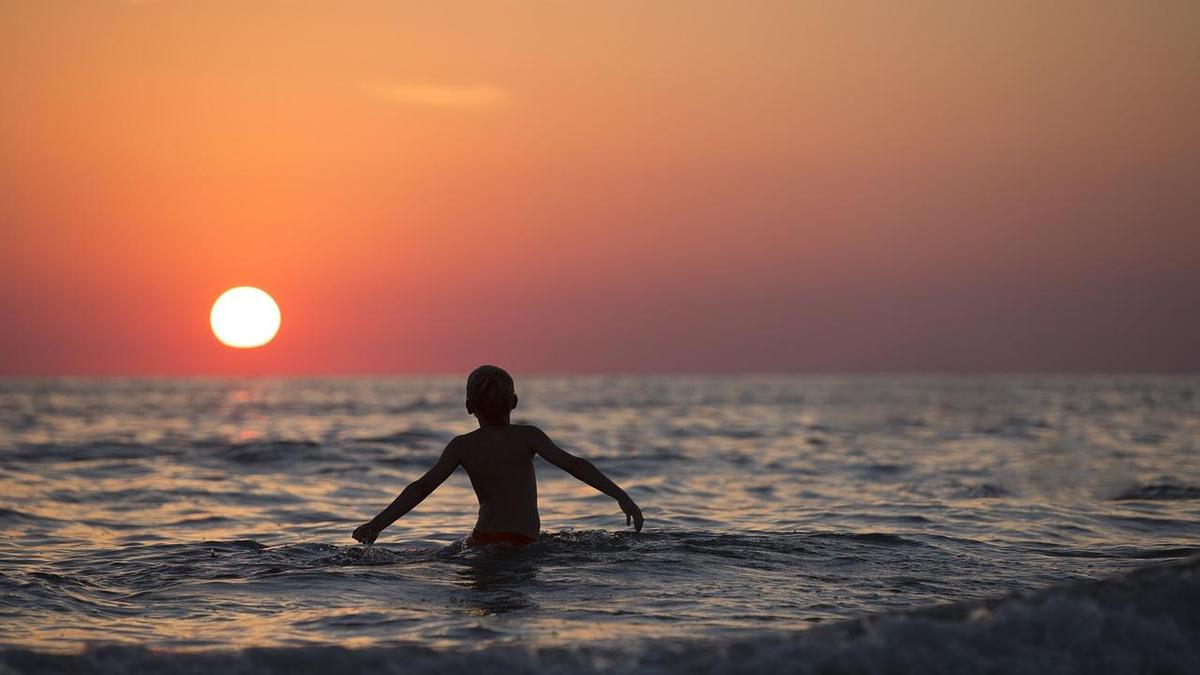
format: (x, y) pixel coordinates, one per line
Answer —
(460, 97)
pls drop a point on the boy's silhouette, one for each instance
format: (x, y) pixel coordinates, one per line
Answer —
(498, 457)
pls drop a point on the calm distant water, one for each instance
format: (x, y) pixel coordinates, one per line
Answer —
(208, 516)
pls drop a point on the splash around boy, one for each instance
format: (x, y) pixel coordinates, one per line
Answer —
(498, 458)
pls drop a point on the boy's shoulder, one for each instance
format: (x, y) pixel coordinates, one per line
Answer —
(483, 432)
(523, 431)
(531, 431)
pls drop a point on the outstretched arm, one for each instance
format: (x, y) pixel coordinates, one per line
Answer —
(588, 473)
(412, 495)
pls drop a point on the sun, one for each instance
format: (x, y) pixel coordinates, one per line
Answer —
(245, 317)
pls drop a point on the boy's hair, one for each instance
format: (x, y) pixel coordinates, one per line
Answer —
(490, 391)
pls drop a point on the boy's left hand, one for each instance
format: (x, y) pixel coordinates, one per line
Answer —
(365, 533)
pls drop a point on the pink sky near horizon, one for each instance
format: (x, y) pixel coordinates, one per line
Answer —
(623, 187)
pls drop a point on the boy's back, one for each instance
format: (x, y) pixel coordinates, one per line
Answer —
(499, 462)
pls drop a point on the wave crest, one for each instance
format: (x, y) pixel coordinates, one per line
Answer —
(1160, 491)
(1144, 621)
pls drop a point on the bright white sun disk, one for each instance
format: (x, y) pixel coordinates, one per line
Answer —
(245, 317)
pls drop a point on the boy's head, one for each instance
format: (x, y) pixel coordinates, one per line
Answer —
(491, 395)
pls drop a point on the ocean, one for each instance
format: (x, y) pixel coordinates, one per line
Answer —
(793, 524)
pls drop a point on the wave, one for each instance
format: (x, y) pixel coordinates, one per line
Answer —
(15, 516)
(406, 437)
(150, 566)
(985, 491)
(1013, 426)
(79, 452)
(266, 452)
(718, 432)
(1143, 621)
(263, 451)
(1159, 491)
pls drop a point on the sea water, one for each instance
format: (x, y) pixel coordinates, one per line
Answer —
(801, 524)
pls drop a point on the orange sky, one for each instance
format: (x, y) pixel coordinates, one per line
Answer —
(616, 186)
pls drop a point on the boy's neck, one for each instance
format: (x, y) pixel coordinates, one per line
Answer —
(499, 422)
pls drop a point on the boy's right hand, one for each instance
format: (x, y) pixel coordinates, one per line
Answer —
(365, 533)
(633, 515)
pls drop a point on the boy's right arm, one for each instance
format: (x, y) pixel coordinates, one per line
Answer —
(412, 495)
(587, 472)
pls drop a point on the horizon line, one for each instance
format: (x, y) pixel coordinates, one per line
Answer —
(610, 373)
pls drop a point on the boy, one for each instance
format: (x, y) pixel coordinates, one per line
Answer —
(498, 457)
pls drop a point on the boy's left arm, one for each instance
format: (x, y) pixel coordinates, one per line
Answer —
(412, 495)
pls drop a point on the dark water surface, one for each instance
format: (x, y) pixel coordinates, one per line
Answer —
(209, 516)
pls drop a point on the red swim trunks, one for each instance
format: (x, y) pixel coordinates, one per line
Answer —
(478, 538)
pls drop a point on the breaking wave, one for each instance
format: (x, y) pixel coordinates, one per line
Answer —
(1143, 621)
